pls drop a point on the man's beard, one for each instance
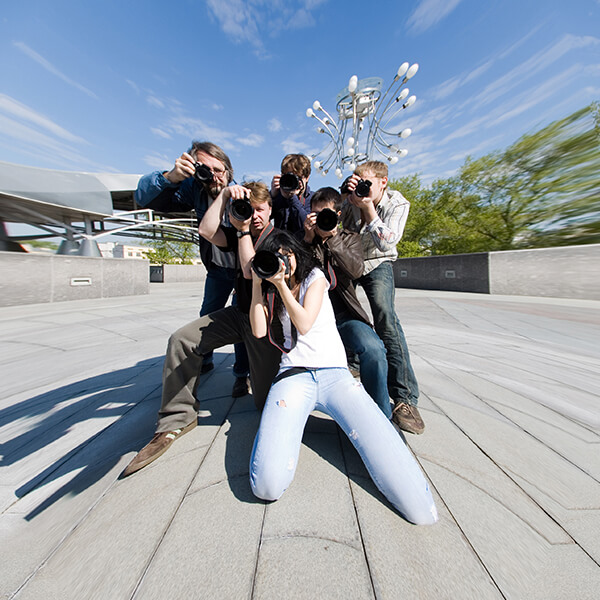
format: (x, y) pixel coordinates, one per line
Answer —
(214, 189)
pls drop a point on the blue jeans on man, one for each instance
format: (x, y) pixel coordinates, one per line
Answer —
(217, 288)
(360, 340)
(380, 290)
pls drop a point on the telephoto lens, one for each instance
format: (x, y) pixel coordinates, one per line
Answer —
(363, 187)
(289, 182)
(327, 220)
(266, 263)
(203, 174)
(241, 209)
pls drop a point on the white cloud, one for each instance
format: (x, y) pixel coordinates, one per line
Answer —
(292, 145)
(52, 69)
(133, 86)
(193, 128)
(428, 13)
(159, 162)
(216, 106)
(154, 101)
(24, 113)
(251, 21)
(253, 140)
(274, 125)
(160, 133)
(539, 61)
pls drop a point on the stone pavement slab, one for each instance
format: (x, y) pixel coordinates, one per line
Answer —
(509, 395)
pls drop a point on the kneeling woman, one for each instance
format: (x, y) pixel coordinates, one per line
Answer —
(313, 375)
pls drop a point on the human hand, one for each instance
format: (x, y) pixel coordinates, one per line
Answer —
(185, 166)
(310, 225)
(275, 185)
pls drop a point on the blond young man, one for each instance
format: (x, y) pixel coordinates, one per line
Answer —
(380, 217)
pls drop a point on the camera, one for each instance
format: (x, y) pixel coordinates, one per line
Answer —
(241, 209)
(289, 182)
(363, 187)
(327, 219)
(203, 174)
(266, 263)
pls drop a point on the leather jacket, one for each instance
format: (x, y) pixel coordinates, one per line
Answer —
(343, 252)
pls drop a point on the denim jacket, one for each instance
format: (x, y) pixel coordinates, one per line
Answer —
(158, 193)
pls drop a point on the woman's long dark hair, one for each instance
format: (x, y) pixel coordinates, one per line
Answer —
(305, 260)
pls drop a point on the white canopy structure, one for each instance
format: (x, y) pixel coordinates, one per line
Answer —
(81, 208)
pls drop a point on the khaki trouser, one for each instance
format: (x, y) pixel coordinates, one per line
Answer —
(184, 359)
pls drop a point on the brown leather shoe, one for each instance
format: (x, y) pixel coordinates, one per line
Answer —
(407, 417)
(158, 445)
(240, 387)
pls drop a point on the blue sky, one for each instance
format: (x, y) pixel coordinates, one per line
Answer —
(123, 86)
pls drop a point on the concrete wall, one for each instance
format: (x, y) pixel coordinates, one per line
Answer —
(456, 272)
(34, 278)
(177, 273)
(570, 272)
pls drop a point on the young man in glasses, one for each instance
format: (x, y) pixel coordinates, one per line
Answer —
(196, 179)
(379, 215)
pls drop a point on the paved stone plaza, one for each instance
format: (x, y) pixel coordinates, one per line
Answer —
(510, 390)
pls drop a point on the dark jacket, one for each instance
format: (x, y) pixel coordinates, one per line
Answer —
(343, 253)
(290, 214)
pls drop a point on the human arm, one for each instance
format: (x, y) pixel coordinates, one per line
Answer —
(303, 316)
(258, 310)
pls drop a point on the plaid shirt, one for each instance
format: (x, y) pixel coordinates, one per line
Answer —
(380, 236)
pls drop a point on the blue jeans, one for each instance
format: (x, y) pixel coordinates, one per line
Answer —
(380, 290)
(335, 392)
(361, 340)
(217, 288)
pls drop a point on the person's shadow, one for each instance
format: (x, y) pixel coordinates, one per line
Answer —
(125, 399)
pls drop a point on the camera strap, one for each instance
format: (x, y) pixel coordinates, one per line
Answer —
(330, 273)
(271, 323)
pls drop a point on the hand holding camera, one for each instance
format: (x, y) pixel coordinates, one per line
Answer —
(185, 166)
(240, 209)
(288, 184)
(272, 266)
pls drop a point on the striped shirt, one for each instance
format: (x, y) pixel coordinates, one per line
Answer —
(380, 236)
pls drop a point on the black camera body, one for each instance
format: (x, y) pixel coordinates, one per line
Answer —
(241, 209)
(289, 182)
(266, 263)
(327, 219)
(203, 174)
(363, 187)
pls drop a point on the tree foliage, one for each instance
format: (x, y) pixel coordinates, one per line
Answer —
(541, 191)
(163, 252)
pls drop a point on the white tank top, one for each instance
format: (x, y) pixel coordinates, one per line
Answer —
(322, 345)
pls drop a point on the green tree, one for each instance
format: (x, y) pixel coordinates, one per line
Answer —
(163, 252)
(541, 191)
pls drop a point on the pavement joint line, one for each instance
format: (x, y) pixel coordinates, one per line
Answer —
(356, 516)
(258, 549)
(463, 535)
(527, 432)
(511, 476)
(152, 554)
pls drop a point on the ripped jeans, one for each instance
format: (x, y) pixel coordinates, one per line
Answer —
(335, 392)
